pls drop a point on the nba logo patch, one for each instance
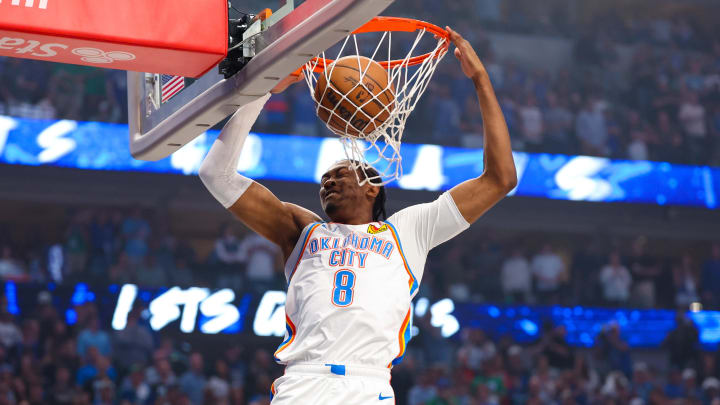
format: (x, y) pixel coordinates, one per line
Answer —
(372, 229)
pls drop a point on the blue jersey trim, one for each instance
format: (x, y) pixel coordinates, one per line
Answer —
(415, 284)
(310, 229)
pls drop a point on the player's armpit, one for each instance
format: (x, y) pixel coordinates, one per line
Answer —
(279, 222)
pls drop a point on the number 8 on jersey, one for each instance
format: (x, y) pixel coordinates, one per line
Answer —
(342, 294)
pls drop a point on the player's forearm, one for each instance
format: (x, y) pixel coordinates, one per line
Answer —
(499, 164)
(219, 169)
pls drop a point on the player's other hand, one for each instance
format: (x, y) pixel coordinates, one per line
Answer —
(286, 82)
(469, 61)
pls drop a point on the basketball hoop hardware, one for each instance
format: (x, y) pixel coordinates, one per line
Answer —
(154, 96)
(408, 78)
(271, 47)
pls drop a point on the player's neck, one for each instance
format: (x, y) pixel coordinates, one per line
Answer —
(352, 219)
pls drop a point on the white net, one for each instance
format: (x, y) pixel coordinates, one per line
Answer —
(371, 130)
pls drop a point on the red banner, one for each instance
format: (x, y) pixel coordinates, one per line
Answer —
(177, 37)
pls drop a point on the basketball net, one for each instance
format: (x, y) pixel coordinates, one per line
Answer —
(408, 79)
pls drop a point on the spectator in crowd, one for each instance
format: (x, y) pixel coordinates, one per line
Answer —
(555, 348)
(616, 281)
(590, 126)
(691, 115)
(76, 245)
(711, 390)
(550, 272)
(685, 282)
(710, 279)
(218, 385)
(690, 384)
(134, 388)
(613, 349)
(447, 122)
(644, 271)
(262, 258)
(471, 124)
(62, 390)
(709, 364)
(673, 387)
(230, 258)
(135, 231)
(424, 390)
(160, 376)
(193, 381)
(150, 273)
(10, 335)
(444, 395)
(227, 247)
(181, 274)
(10, 267)
(683, 342)
(558, 121)
(531, 123)
(476, 349)
(95, 367)
(93, 336)
(516, 277)
(642, 384)
(134, 344)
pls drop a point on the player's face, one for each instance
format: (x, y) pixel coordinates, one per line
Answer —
(340, 195)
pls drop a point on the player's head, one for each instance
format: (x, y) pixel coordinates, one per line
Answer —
(343, 199)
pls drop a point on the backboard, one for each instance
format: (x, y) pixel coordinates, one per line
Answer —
(276, 46)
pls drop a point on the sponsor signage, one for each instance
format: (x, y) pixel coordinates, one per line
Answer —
(101, 146)
(125, 34)
(198, 310)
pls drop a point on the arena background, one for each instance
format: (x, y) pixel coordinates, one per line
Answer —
(596, 282)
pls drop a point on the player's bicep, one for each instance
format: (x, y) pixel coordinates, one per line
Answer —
(264, 213)
(475, 197)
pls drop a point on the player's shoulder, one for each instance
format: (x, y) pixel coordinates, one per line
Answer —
(417, 210)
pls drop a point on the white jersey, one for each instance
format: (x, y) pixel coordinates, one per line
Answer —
(350, 286)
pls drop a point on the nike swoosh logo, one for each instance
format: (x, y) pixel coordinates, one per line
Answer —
(381, 397)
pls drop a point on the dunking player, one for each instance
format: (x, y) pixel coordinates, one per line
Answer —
(351, 280)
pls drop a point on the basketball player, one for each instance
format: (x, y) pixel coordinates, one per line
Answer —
(351, 280)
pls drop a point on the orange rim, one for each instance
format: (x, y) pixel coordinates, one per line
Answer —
(393, 24)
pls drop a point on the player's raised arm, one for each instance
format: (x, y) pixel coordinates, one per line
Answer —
(474, 197)
(280, 222)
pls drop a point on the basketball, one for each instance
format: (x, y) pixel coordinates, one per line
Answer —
(367, 103)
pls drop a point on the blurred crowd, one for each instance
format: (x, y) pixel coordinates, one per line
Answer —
(593, 271)
(45, 360)
(118, 246)
(664, 105)
(478, 369)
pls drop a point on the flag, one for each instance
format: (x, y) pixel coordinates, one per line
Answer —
(170, 86)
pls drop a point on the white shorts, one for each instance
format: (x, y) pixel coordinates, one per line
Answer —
(315, 384)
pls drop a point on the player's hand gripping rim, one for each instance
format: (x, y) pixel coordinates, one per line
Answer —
(471, 65)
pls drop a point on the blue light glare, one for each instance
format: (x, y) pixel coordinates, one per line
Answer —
(11, 297)
(100, 146)
(528, 327)
(82, 294)
(70, 317)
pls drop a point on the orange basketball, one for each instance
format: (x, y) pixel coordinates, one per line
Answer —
(367, 103)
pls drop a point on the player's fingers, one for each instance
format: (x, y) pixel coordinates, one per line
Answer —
(458, 54)
(458, 39)
(454, 36)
